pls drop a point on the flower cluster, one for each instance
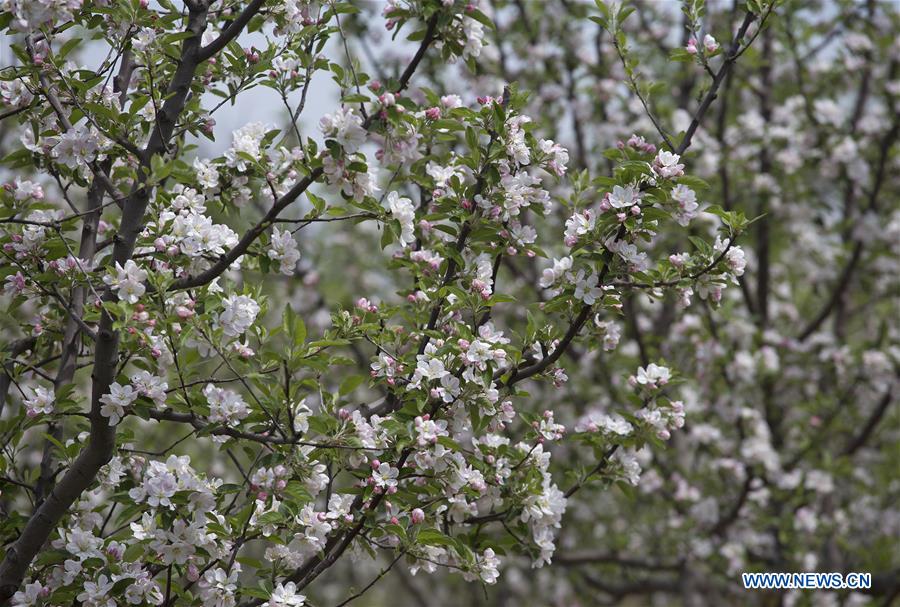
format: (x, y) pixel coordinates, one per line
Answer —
(503, 344)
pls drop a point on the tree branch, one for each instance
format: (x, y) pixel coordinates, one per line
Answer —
(859, 441)
(231, 32)
(294, 193)
(101, 443)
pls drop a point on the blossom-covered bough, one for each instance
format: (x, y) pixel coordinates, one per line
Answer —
(320, 361)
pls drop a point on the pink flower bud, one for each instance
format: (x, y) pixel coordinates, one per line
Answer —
(418, 516)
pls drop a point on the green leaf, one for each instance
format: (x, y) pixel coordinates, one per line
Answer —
(450, 125)
(387, 237)
(693, 182)
(477, 15)
(355, 98)
(433, 537)
(501, 298)
(294, 326)
(350, 384)
(624, 13)
(69, 46)
(297, 492)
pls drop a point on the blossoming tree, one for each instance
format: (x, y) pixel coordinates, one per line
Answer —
(427, 335)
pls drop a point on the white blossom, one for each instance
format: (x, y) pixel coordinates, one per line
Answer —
(127, 281)
(38, 400)
(285, 595)
(238, 315)
(345, 127)
(116, 401)
(403, 211)
(225, 406)
(283, 248)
